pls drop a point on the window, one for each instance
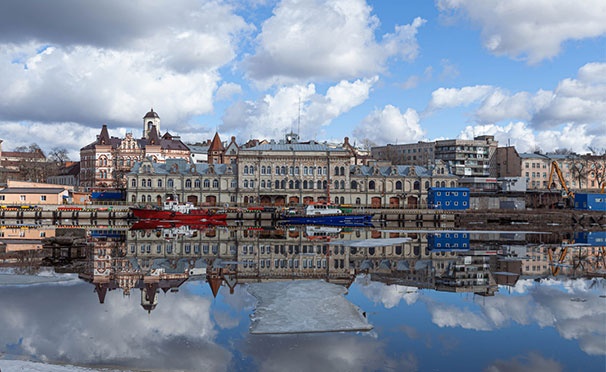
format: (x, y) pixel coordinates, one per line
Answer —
(216, 183)
(159, 183)
(42, 197)
(133, 183)
(371, 185)
(22, 197)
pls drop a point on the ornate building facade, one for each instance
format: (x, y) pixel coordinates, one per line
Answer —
(104, 163)
(286, 172)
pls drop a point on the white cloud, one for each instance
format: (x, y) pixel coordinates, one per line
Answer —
(126, 59)
(297, 107)
(228, 90)
(389, 125)
(329, 41)
(442, 98)
(531, 30)
(572, 116)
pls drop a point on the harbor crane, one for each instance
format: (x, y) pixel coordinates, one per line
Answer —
(555, 169)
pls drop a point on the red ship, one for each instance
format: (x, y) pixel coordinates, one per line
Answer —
(173, 211)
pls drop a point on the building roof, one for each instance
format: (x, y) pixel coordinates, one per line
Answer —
(400, 171)
(532, 155)
(297, 147)
(32, 190)
(216, 144)
(151, 114)
(181, 166)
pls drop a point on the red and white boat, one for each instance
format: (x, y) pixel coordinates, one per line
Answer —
(173, 211)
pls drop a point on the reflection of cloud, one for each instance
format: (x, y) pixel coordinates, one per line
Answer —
(67, 324)
(334, 352)
(547, 304)
(529, 363)
(448, 316)
(389, 295)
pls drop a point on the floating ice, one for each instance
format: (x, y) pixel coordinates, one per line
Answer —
(304, 306)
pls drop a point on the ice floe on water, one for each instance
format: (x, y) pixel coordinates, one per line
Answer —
(10, 277)
(21, 366)
(304, 306)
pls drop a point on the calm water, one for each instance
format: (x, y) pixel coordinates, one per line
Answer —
(423, 315)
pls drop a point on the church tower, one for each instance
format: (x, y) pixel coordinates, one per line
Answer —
(150, 120)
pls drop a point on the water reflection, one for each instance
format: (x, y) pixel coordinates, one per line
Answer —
(174, 297)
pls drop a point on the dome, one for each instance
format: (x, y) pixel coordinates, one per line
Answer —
(151, 114)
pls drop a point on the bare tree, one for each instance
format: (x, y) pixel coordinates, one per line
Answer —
(58, 155)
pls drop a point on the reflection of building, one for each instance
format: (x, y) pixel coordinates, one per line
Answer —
(104, 162)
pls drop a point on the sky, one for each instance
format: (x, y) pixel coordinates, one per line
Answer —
(531, 73)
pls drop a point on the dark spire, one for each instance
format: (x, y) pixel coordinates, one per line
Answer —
(103, 138)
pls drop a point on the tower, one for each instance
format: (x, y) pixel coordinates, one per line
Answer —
(150, 120)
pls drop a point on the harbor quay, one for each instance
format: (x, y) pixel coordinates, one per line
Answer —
(502, 219)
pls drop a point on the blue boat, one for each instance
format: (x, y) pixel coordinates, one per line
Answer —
(325, 214)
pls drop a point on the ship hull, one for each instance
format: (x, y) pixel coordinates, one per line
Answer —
(194, 216)
(330, 220)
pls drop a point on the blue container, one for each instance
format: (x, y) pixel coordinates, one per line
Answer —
(592, 202)
(448, 241)
(448, 198)
(593, 238)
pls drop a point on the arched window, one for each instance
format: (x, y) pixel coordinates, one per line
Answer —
(269, 170)
(133, 183)
(305, 184)
(197, 184)
(443, 184)
(291, 184)
(398, 185)
(277, 184)
(251, 170)
(342, 169)
(245, 183)
(263, 169)
(246, 169)
(416, 185)
(371, 185)
(283, 170)
(291, 170)
(170, 183)
(188, 183)
(149, 198)
(358, 201)
(234, 184)
(297, 184)
(206, 184)
(325, 171)
(262, 184)
(319, 185)
(216, 183)
(336, 184)
(342, 184)
(305, 171)
(437, 183)
(297, 171)
(283, 184)
(342, 200)
(133, 198)
(354, 185)
(324, 185)
(427, 185)
(336, 171)
(452, 184)
(143, 198)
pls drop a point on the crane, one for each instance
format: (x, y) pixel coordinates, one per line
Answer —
(555, 168)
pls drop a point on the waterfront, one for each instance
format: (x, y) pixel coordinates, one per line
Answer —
(423, 315)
